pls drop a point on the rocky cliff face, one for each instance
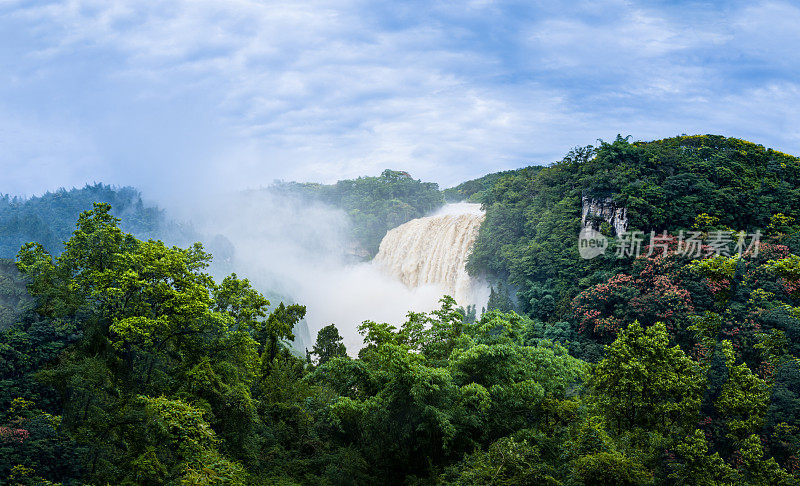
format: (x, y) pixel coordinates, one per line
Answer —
(597, 210)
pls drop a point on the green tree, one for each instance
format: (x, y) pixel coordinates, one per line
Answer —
(177, 446)
(759, 470)
(150, 326)
(697, 467)
(645, 384)
(329, 345)
(278, 326)
(744, 398)
(505, 462)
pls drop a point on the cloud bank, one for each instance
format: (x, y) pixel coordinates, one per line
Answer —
(183, 97)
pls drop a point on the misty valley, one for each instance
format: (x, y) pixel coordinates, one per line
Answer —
(382, 330)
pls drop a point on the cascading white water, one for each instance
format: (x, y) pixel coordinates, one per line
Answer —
(433, 251)
(311, 268)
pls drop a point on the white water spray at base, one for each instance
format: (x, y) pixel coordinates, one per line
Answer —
(296, 248)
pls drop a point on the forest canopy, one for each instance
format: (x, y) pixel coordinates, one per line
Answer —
(533, 217)
(49, 219)
(122, 361)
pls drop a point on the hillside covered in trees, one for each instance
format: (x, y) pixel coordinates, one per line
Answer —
(702, 183)
(128, 364)
(374, 204)
(50, 218)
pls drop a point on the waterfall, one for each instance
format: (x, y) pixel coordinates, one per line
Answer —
(433, 251)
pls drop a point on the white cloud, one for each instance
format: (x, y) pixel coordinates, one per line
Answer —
(325, 90)
(768, 32)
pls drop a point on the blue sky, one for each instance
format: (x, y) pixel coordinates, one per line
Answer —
(192, 96)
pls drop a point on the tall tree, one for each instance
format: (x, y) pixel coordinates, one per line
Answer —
(329, 345)
(645, 384)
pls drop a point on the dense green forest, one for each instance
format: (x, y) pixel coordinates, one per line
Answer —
(533, 217)
(50, 219)
(128, 364)
(14, 298)
(477, 190)
(374, 204)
